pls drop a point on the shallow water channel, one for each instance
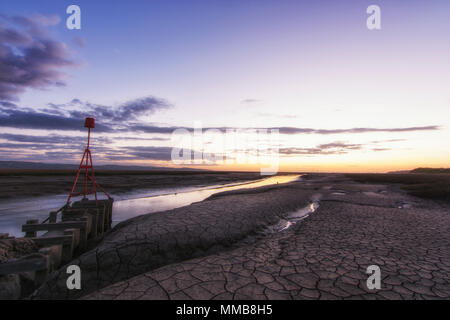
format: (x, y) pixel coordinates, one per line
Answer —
(14, 213)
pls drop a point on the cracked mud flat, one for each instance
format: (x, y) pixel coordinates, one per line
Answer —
(203, 251)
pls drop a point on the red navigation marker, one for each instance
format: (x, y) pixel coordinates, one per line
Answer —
(90, 186)
(89, 123)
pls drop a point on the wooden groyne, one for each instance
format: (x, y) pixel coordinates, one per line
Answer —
(60, 240)
(81, 223)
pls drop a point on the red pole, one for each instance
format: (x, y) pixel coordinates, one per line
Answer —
(89, 137)
(94, 184)
(76, 178)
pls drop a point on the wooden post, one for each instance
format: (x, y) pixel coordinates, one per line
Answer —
(109, 204)
(85, 231)
(72, 214)
(95, 221)
(31, 234)
(52, 217)
(60, 226)
(50, 240)
(76, 237)
(67, 249)
(105, 216)
(41, 275)
(101, 218)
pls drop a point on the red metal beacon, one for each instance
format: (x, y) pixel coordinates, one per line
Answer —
(86, 165)
(98, 212)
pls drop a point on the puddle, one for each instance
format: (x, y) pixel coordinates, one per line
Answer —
(299, 215)
(284, 224)
(372, 194)
(130, 208)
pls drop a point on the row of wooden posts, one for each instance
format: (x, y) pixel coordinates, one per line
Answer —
(81, 223)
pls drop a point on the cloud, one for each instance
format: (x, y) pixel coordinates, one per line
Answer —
(274, 115)
(59, 155)
(70, 116)
(339, 145)
(49, 139)
(7, 104)
(30, 144)
(13, 37)
(30, 119)
(285, 130)
(143, 139)
(249, 100)
(154, 129)
(322, 149)
(35, 21)
(131, 110)
(125, 116)
(79, 42)
(29, 148)
(294, 130)
(29, 58)
(128, 111)
(389, 140)
(61, 147)
(142, 153)
(334, 148)
(380, 149)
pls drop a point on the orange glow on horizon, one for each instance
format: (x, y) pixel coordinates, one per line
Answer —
(350, 167)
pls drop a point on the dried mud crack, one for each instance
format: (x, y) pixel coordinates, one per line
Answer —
(200, 252)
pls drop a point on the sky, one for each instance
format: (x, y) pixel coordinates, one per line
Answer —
(332, 94)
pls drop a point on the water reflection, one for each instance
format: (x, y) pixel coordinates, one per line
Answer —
(14, 213)
(125, 209)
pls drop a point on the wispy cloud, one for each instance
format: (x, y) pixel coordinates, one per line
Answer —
(337, 147)
(124, 117)
(381, 149)
(275, 115)
(250, 101)
(51, 139)
(29, 58)
(80, 42)
(141, 153)
(70, 116)
(30, 119)
(322, 149)
(128, 111)
(285, 130)
(294, 130)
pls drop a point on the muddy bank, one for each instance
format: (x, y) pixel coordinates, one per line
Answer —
(202, 251)
(27, 184)
(323, 257)
(148, 242)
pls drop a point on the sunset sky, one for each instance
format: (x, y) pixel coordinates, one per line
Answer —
(343, 97)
